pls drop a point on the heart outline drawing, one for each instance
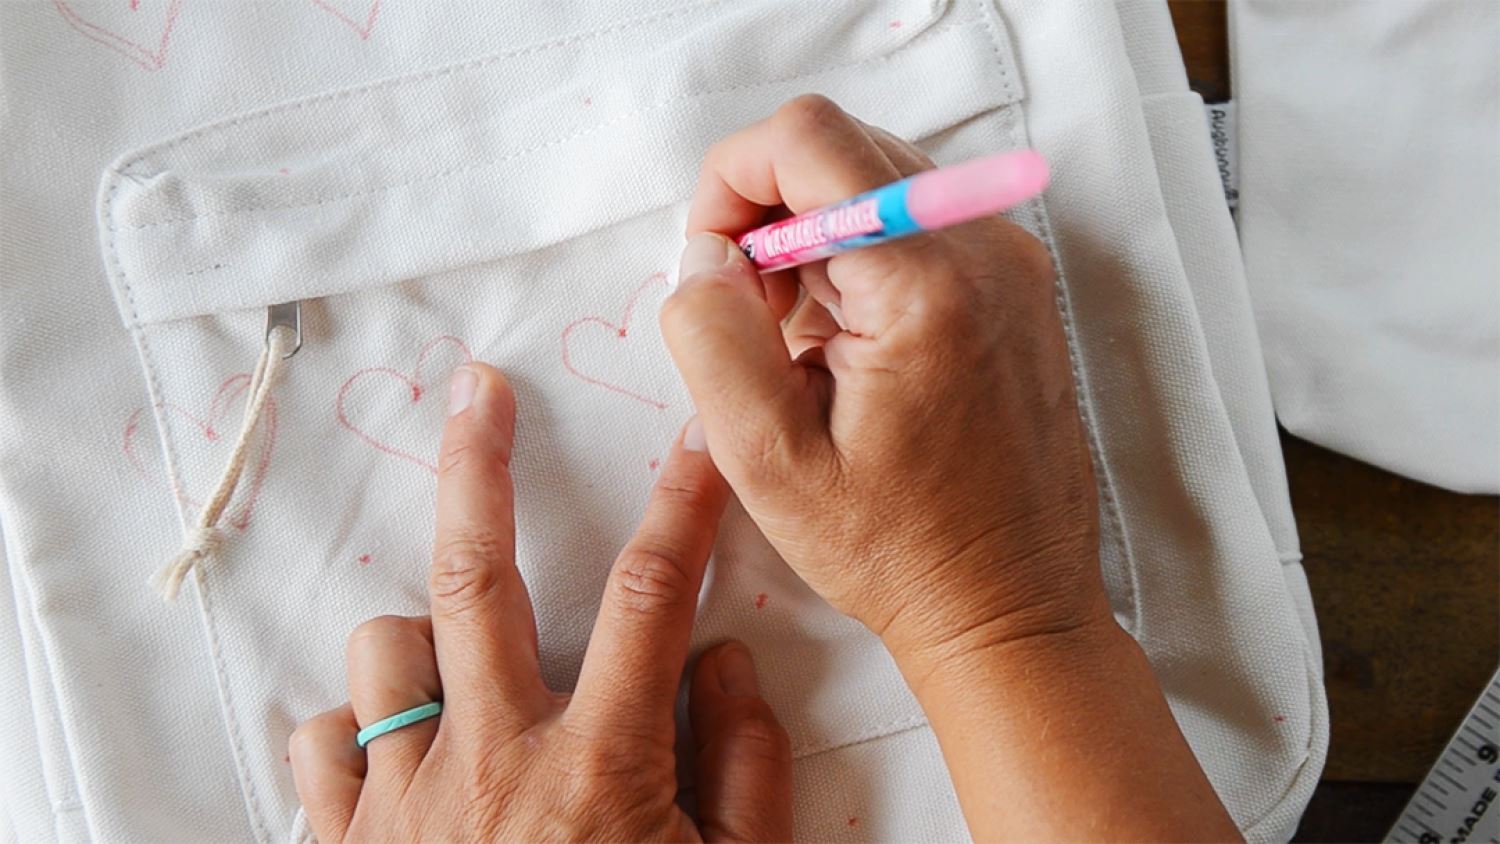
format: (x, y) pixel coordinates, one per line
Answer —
(206, 425)
(362, 30)
(150, 59)
(414, 384)
(621, 330)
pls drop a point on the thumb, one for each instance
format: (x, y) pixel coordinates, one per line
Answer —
(726, 340)
(743, 757)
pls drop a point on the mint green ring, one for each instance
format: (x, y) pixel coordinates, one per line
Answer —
(411, 716)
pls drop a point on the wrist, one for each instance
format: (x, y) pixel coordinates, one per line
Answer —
(944, 648)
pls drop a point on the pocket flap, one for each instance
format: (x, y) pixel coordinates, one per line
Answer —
(474, 162)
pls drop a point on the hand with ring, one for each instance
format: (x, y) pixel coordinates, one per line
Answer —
(507, 758)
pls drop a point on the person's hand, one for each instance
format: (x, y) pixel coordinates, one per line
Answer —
(508, 759)
(924, 470)
(908, 438)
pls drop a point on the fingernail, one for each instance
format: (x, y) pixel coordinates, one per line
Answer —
(461, 388)
(838, 315)
(692, 436)
(704, 253)
(737, 672)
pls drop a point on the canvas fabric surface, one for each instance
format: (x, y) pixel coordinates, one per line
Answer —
(440, 182)
(1369, 141)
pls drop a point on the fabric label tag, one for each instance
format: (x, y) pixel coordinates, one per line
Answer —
(1226, 153)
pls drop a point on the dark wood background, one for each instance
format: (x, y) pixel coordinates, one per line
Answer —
(1405, 578)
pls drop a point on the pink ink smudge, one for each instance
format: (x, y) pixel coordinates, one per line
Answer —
(760, 600)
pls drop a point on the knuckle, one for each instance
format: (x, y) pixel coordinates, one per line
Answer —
(767, 449)
(378, 632)
(464, 570)
(761, 735)
(810, 114)
(688, 500)
(650, 581)
(675, 312)
(303, 742)
(1030, 257)
(457, 456)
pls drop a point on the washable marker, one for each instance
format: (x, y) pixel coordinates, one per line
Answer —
(930, 200)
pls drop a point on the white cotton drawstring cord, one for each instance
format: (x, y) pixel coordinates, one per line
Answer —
(205, 538)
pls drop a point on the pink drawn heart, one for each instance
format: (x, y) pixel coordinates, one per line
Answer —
(151, 57)
(207, 425)
(360, 29)
(621, 332)
(412, 384)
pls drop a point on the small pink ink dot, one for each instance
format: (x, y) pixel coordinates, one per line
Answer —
(588, 101)
(364, 559)
(760, 600)
(895, 24)
(135, 5)
(853, 821)
(416, 393)
(655, 463)
(1280, 718)
(622, 332)
(287, 759)
(284, 171)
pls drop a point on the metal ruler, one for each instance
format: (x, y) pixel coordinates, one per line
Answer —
(1460, 799)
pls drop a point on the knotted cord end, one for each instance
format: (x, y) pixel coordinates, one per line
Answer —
(200, 544)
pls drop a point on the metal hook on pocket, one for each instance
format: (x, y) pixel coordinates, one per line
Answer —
(285, 315)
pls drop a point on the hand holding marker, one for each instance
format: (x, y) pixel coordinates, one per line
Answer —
(931, 200)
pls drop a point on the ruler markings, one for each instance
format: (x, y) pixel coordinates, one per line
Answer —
(1459, 795)
(1451, 781)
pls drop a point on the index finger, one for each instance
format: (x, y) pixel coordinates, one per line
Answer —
(483, 630)
(634, 661)
(808, 154)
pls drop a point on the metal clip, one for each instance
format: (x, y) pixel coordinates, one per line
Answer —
(289, 315)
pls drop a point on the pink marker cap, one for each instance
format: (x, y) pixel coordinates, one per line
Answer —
(978, 188)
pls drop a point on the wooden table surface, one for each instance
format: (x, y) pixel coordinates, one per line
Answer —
(1405, 579)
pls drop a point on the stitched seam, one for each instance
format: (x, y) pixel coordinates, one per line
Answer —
(1313, 683)
(872, 733)
(1107, 498)
(474, 64)
(63, 798)
(236, 735)
(153, 384)
(512, 156)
